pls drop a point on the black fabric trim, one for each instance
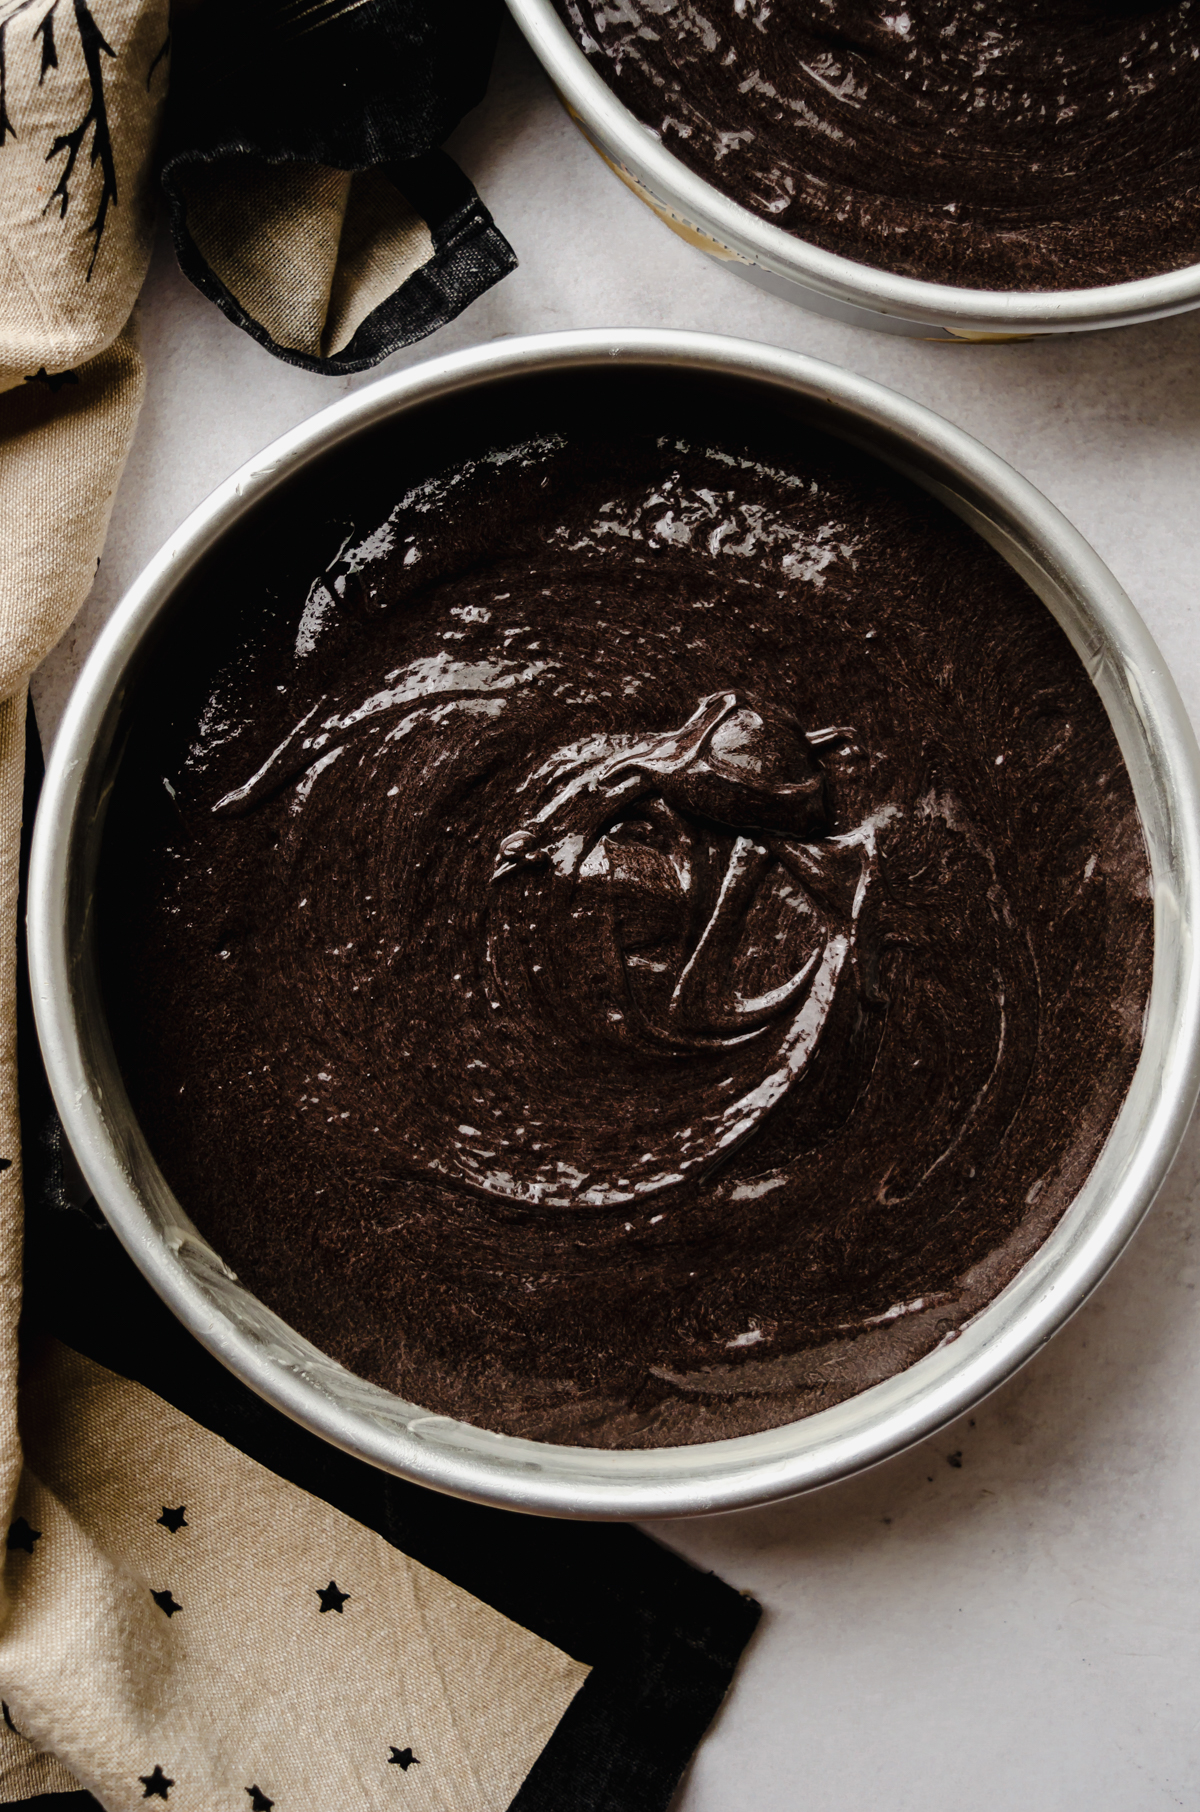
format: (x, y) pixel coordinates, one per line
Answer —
(662, 1639)
(352, 84)
(54, 1802)
(439, 192)
(380, 83)
(470, 255)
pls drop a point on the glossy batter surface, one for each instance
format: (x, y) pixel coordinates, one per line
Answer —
(642, 946)
(1051, 145)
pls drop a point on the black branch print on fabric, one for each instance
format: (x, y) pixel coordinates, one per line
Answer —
(174, 1520)
(21, 1536)
(94, 45)
(7, 129)
(70, 144)
(45, 31)
(164, 50)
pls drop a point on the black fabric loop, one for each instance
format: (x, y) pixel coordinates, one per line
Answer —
(331, 86)
(469, 256)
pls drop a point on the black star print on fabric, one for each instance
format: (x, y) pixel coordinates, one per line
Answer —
(53, 380)
(158, 1785)
(8, 1718)
(5, 1163)
(331, 1598)
(166, 1603)
(174, 1520)
(258, 1800)
(20, 1535)
(404, 1758)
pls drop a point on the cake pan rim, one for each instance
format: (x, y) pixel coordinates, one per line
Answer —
(957, 312)
(704, 1477)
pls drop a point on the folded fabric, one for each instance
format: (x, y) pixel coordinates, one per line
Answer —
(308, 197)
(82, 88)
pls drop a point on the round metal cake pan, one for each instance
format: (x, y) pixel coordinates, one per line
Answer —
(823, 282)
(1160, 752)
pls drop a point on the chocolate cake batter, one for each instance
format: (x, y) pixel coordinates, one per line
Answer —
(1050, 145)
(642, 946)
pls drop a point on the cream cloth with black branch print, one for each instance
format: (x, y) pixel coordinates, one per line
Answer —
(177, 1652)
(79, 114)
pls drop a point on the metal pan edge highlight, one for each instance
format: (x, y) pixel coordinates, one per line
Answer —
(1160, 751)
(803, 273)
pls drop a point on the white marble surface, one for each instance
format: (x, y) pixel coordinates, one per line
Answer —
(1021, 1630)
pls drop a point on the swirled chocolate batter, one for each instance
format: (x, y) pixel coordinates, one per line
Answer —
(1051, 145)
(642, 946)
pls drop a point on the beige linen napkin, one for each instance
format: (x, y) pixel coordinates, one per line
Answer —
(164, 1651)
(79, 115)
